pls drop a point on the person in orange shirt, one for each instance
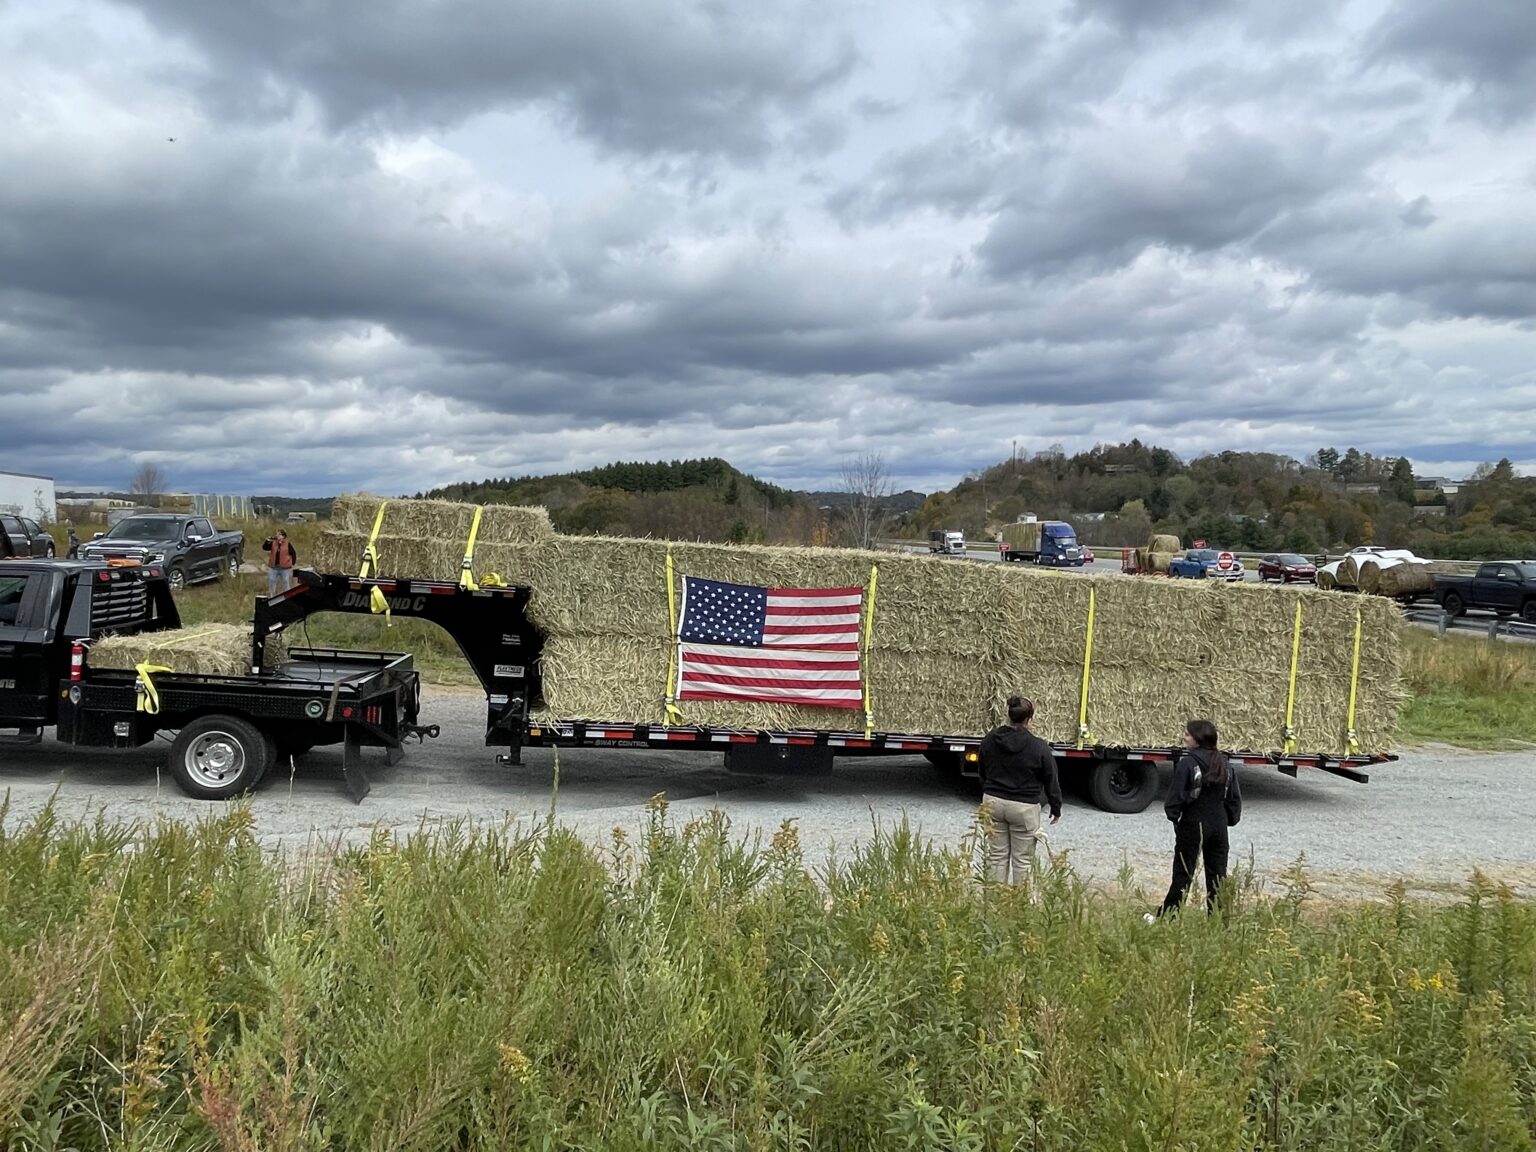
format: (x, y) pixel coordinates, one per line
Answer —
(280, 561)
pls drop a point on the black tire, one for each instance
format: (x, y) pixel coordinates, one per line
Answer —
(1122, 786)
(1528, 612)
(216, 757)
(177, 575)
(231, 569)
(1453, 604)
(52, 551)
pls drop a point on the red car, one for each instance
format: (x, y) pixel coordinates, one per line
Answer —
(1288, 568)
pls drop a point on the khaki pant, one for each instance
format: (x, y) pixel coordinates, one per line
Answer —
(1016, 829)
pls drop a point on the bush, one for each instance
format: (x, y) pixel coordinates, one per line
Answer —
(173, 987)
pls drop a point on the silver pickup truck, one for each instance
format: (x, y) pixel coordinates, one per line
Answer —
(189, 548)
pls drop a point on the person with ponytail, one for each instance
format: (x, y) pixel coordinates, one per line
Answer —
(1204, 800)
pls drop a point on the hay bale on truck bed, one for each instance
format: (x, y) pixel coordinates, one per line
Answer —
(951, 641)
(1406, 580)
(203, 650)
(1163, 543)
(1159, 561)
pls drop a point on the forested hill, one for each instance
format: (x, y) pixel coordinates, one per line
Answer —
(681, 499)
(1248, 500)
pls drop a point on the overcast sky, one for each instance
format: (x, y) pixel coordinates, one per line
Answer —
(305, 246)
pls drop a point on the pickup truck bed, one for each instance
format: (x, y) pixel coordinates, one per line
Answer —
(228, 730)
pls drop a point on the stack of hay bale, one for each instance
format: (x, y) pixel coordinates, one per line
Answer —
(951, 642)
(202, 649)
(1160, 551)
(1390, 574)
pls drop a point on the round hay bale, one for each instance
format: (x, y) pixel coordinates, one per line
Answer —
(1163, 543)
(1348, 572)
(1159, 561)
(1370, 575)
(1327, 581)
(1406, 580)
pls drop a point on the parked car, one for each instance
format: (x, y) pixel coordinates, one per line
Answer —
(22, 537)
(1206, 564)
(1288, 568)
(1507, 588)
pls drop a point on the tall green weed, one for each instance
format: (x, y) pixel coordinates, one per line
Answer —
(174, 987)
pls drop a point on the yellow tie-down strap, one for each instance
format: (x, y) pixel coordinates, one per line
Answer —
(370, 563)
(145, 689)
(1351, 740)
(1083, 735)
(1290, 697)
(869, 632)
(466, 569)
(674, 713)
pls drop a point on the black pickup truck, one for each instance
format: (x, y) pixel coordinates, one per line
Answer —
(1507, 587)
(189, 548)
(228, 730)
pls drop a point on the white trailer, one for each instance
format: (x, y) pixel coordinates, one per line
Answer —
(30, 496)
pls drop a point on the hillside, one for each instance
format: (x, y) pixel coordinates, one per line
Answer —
(1248, 500)
(681, 499)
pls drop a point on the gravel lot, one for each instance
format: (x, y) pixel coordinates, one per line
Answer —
(1429, 819)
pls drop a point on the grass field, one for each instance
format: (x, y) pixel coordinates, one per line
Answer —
(1468, 691)
(178, 988)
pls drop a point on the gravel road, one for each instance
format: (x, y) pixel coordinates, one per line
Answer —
(1428, 819)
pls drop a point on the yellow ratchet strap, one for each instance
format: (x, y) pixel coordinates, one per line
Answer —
(674, 714)
(869, 633)
(1354, 688)
(466, 570)
(1083, 735)
(144, 688)
(370, 564)
(147, 694)
(492, 580)
(378, 604)
(1290, 699)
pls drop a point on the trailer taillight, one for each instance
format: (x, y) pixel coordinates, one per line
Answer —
(76, 663)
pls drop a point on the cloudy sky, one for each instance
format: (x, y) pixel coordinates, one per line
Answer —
(305, 246)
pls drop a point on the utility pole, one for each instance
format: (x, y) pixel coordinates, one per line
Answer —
(1015, 457)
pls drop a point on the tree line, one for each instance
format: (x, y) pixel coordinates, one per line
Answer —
(1253, 501)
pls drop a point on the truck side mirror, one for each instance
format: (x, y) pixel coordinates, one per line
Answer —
(98, 536)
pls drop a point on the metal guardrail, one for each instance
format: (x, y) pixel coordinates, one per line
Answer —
(1495, 628)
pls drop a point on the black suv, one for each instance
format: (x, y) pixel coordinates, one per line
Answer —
(21, 537)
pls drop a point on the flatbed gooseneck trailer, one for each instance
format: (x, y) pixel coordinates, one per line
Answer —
(491, 628)
(228, 731)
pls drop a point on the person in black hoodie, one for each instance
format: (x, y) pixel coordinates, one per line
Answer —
(1018, 774)
(1204, 800)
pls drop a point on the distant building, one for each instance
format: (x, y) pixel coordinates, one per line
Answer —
(22, 494)
(1120, 469)
(1089, 517)
(1429, 510)
(1362, 487)
(1438, 484)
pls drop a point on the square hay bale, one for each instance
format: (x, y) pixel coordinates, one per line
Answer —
(204, 649)
(951, 641)
(443, 519)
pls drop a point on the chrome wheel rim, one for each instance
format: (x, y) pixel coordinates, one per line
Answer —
(214, 759)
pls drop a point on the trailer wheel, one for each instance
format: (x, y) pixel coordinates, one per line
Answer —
(216, 757)
(1122, 786)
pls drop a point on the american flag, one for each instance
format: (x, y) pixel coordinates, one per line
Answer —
(783, 645)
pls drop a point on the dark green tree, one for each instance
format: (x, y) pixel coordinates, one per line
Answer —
(1401, 483)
